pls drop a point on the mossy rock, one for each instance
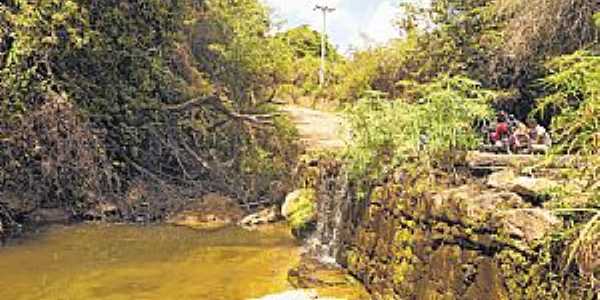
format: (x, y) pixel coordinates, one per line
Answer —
(300, 210)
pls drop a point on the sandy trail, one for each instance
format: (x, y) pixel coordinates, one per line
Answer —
(318, 130)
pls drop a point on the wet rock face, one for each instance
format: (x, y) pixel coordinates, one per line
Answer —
(326, 279)
(421, 237)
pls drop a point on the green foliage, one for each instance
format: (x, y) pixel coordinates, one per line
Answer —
(303, 209)
(303, 58)
(575, 85)
(502, 44)
(38, 32)
(597, 20)
(387, 133)
(305, 41)
(377, 69)
(159, 89)
(231, 44)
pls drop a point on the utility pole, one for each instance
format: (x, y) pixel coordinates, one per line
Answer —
(325, 9)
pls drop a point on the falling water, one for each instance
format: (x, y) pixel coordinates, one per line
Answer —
(334, 210)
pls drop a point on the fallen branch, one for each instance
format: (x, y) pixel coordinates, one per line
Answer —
(216, 102)
(195, 155)
(263, 119)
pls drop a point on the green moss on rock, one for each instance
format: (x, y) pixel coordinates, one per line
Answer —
(300, 209)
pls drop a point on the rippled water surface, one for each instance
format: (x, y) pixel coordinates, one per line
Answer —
(146, 263)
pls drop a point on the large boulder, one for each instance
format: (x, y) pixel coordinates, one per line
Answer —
(470, 205)
(300, 210)
(495, 211)
(527, 224)
(212, 211)
(532, 187)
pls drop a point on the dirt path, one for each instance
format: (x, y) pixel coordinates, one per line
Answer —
(318, 130)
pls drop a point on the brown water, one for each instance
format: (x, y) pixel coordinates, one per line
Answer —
(147, 263)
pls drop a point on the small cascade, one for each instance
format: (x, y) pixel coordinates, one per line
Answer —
(333, 213)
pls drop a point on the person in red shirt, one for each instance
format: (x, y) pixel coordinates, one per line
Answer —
(502, 131)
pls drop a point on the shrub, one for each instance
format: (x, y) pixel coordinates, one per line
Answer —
(387, 133)
(574, 85)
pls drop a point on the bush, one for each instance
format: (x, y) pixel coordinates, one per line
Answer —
(387, 133)
(171, 92)
(574, 85)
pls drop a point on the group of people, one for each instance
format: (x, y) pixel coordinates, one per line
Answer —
(514, 136)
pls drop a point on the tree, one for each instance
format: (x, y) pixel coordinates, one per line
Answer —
(97, 95)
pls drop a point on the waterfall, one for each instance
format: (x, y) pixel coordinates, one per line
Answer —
(334, 210)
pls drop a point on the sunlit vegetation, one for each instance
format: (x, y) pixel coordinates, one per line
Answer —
(95, 95)
(100, 98)
(303, 57)
(535, 59)
(387, 133)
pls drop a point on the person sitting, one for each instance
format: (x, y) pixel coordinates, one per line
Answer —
(501, 134)
(520, 138)
(539, 138)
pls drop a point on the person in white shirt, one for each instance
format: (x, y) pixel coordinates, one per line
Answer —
(539, 138)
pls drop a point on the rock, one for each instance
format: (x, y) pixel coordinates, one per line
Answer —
(527, 224)
(470, 205)
(522, 185)
(297, 295)
(43, 216)
(533, 187)
(210, 212)
(300, 211)
(265, 216)
(501, 179)
(199, 220)
(286, 208)
(102, 211)
(489, 282)
(326, 279)
(477, 159)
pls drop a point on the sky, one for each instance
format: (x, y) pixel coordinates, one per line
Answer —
(354, 24)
